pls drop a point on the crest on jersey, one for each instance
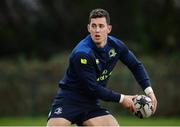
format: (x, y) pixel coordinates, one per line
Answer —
(97, 61)
(58, 110)
(112, 53)
(83, 61)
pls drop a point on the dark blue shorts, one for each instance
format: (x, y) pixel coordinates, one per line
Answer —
(77, 113)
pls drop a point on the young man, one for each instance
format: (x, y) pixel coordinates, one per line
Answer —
(84, 83)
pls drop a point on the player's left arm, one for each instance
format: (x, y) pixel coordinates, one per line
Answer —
(140, 73)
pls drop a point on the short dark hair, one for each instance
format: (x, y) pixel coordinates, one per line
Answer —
(99, 13)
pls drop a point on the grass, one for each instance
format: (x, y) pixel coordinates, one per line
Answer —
(23, 121)
(133, 121)
(124, 121)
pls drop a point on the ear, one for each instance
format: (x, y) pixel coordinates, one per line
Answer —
(109, 28)
(88, 28)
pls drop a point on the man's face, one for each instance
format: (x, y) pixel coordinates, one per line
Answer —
(99, 30)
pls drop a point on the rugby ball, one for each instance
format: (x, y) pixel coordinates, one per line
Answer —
(143, 106)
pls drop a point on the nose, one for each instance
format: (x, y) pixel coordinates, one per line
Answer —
(97, 29)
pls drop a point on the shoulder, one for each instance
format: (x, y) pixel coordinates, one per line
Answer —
(116, 41)
(83, 49)
(118, 44)
(82, 57)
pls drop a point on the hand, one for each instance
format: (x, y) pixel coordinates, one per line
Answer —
(128, 102)
(154, 101)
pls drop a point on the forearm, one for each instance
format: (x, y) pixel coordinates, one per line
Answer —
(137, 68)
(104, 93)
(141, 75)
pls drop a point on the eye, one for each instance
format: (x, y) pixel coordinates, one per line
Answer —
(101, 26)
(93, 25)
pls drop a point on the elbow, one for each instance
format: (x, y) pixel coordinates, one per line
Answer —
(136, 65)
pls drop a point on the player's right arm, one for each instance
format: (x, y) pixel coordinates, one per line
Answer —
(86, 72)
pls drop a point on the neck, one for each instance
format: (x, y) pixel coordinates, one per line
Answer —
(102, 45)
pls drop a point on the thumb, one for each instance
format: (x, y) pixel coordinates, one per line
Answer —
(134, 96)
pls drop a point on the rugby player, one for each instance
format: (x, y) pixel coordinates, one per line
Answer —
(84, 83)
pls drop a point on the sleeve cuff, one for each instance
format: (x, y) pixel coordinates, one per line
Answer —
(121, 98)
(148, 90)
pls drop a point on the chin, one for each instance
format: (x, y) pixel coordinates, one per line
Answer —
(97, 42)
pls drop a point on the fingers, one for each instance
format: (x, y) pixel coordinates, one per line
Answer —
(134, 96)
(128, 103)
(154, 101)
(133, 108)
(154, 106)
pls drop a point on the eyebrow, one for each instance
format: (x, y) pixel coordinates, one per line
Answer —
(97, 24)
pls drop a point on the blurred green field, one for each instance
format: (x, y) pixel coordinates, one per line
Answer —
(124, 121)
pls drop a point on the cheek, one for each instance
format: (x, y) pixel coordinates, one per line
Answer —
(91, 31)
(106, 31)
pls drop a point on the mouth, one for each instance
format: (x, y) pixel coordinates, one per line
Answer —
(97, 37)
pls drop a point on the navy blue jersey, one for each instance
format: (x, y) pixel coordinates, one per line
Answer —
(90, 68)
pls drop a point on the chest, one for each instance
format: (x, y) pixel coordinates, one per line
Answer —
(105, 61)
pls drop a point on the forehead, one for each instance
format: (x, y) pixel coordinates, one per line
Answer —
(101, 20)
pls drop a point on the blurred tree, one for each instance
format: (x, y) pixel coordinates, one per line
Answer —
(162, 21)
(41, 28)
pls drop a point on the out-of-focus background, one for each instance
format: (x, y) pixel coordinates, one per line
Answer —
(36, 37)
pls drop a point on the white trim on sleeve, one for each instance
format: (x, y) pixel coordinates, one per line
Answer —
(148, 90)
(122, 98)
